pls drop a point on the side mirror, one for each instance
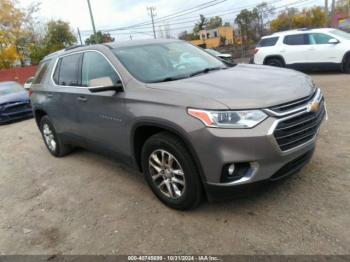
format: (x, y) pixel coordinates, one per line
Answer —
(333, 41)
(30, 79)
(103, 84)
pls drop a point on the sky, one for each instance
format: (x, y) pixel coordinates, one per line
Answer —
(112, 14)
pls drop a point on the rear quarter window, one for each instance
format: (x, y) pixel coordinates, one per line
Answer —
(270, 41)
(41, 72)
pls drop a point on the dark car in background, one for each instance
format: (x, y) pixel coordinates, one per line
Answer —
(14, 102)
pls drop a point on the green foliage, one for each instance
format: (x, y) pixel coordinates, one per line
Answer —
(200, 25)
(247, 22)
(214, 22)
(188, 36)
(58, 36)
(99, 38)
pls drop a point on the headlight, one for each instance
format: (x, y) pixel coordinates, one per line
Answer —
(229, 119)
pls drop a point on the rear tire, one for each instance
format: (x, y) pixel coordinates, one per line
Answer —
(274, 62)
(177, 184)
(51, 139)
(346, 65)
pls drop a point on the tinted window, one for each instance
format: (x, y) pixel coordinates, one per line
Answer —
(69, 70)
(301, 39)
(319, 39)
(271, 41)
(41, 72)
(96, 66)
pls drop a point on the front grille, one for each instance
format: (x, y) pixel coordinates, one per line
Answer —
(17, 108)
(293, 166)
(297, 130)
(293, 105)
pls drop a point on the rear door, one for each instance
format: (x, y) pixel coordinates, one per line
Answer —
(295, 49)
(101, 115)
(66, 80)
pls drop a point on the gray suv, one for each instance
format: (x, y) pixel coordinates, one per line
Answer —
(191, 123)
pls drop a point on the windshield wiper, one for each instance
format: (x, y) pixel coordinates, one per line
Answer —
(206, 70)
(170, 78)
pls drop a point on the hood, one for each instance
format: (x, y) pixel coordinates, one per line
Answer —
(244, 86)
(19, 96)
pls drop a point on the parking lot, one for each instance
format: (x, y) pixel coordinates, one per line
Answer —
(88, 204)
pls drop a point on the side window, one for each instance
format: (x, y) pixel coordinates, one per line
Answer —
(319, 39)
(300, 39)
(68, 70)
(96, 66)
(41, 72)
(271, 41)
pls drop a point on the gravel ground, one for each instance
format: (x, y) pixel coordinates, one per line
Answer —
(88, 204)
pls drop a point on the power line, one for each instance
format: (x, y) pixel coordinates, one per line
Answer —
(295, 4)
(195, 8)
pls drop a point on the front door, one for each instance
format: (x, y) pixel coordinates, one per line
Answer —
(101, 115)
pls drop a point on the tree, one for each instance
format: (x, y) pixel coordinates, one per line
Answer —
(264, 11)
(292, 19)
(214, 22)
(227, 24)
(247, 22)
(187, 36)
(200, 25)
(57, 35)
(99, 38)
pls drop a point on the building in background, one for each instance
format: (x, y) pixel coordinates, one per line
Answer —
(213, 38)
(341, 21)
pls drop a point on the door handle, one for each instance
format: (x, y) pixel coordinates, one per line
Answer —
(82, 99)
(49, 95)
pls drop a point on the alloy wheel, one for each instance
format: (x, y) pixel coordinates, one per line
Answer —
(49, 137)
(167, 174)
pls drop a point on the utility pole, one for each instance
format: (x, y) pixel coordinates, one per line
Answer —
(130, 37)
(81, 42)
(152, 13)
(332, 12)
(92, 17)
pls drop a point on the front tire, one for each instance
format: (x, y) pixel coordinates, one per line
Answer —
(52, 140)
(346, 66)
(170, 171)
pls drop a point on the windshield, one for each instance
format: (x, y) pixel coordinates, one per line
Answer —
(166, 61)
(10, 88)
(341, 34)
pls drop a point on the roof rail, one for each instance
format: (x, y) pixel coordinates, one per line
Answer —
(73, 47)
(304, 29)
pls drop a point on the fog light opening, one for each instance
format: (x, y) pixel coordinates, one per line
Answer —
(234, 171)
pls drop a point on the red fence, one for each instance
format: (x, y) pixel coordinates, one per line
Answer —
(18, 74)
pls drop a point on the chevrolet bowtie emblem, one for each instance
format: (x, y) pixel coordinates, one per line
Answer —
(313, 106)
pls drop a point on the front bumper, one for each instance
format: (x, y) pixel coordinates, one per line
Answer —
(256, 146)
(13, 116)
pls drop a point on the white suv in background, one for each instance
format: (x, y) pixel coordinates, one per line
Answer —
(306, 49)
